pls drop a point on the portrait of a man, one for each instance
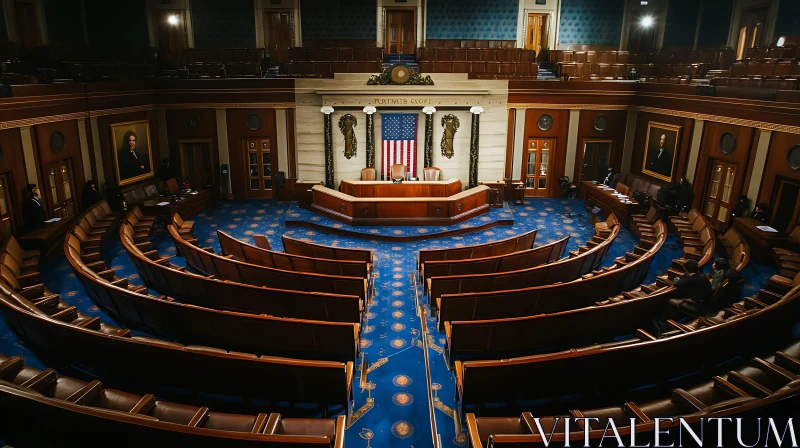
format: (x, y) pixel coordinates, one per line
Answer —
(132, 153)
(662, 144)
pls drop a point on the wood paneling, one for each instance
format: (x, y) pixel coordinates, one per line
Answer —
(177, 130)
(559, 132)
(777, 165)
(45, 156)
(13, 165)
(107, 146)
(614, 131)
(640, 143)
(710, 150)
(237, 130)
(512, 124)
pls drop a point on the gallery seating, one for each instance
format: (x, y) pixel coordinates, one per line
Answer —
(516, 301)
(507, 246)
(764, 386)
(60, 329)
(249, 253)
(742, 328)
(210, 292)
(232, 330)
(498, 263)
(324, 62)
(576, 264)
(204, 260)
(486, 63)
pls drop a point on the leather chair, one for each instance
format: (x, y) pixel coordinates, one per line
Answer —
(431, 173)
(399, 171)
(368, 174)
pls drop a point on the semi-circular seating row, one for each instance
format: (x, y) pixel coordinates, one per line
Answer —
(626, 274)
(248, 253)
(764, 386)
(70, 406)
(204, 260)
(210, 292)
(309, 249)
(576, 265)
(682, 349)
(503, 247)
(49, 325)
(498, 263)
(261, 334)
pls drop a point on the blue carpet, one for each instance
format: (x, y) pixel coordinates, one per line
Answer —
(392, 410)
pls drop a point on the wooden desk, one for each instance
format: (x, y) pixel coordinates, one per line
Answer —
(407, 189)
(607, 202)
(497, 195)
(402, 211)
(185, 205)
(47, 239)
(302, 189)
(761, 242)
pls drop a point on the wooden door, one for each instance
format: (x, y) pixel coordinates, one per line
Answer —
(536, 34)
(596, 159)
(27, 24)
(400, 32)
(720, 196)
(260, 164)
(751, 30)
(6, 220)
(538, 155)
(60, 189)
(197, 164)
(278, 34)
(786, 212)
(171, 34)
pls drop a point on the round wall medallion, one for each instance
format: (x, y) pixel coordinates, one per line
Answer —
(253, 122)
(57, 142)
(794, 157)
(545, 122)
(191, 122)
(601, 122)
(727, 143)
(400, 74)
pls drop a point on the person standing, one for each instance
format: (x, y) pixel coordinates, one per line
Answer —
(32, 208)
(90, 195)
(611, 178)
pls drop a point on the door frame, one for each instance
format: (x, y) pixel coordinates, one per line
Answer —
(274, 164)
(778, 191)
(545, 31)
(215, 184)
(579, 161)
(386, 11)
(735, 191)
(548, 190)
(266, 11)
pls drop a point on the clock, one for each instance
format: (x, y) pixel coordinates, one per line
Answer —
(545, 122)
(253, 122)
(601, 122)
(727, 143)
(794, 158)
(57, 142)
(191, 122)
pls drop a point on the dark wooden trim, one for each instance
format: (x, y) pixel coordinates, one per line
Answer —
(510, 137)
(291, 164)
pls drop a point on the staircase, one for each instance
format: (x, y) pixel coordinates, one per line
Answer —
(545, 72)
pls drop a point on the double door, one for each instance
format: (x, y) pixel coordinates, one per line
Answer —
(720, 197)
(61, 189)
(260, 165)
(536, 33)
(278, 34)
(536, 166)
(400, 31)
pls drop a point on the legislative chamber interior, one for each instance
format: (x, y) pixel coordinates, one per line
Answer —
(399, 223)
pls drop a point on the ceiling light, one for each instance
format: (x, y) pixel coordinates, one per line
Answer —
(172, 20)
(647, 21)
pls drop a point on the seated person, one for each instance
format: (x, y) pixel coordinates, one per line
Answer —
(683, 195)
(723, 271)
(694, 289)
(761, 212)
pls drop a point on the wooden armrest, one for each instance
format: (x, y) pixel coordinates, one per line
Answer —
(66, 315)
(32, 291)
(122, 283)
(30, 279)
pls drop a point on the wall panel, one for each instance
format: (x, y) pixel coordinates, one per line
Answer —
(640, 143)
(13, 165)
(107, 145)
(559, 132)
(615, 131)
(72, 151)
(237, 131)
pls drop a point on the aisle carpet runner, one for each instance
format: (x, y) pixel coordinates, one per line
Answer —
(392, 407)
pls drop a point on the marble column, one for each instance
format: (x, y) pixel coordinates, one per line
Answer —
(370, 111)
(327, 110)
(429, 111)
(473, 145)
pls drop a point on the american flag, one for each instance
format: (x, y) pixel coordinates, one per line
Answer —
(399, 132)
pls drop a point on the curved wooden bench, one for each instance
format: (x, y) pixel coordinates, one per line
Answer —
(753, 389)
(736, 248)
(249, 253)
(626, 274)
(192, 324)
(229, 269)
(60, 329)
(577, 264)
(71, 405)
(307, 249)
(502, 247)
(498, 263)
(674, 353)
(207, 291)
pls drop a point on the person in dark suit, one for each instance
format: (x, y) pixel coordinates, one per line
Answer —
(761, 212)
(90, 195)
(32, 208)
(610, 179)
(660, 161)
(694, 289)
(723, 271)
(130, 162)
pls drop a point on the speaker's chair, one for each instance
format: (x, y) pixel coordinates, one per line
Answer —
(431, 173)
(399, 171)
(368, 174)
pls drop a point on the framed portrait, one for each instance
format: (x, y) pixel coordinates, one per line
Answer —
(661, 149)
(133, 158)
